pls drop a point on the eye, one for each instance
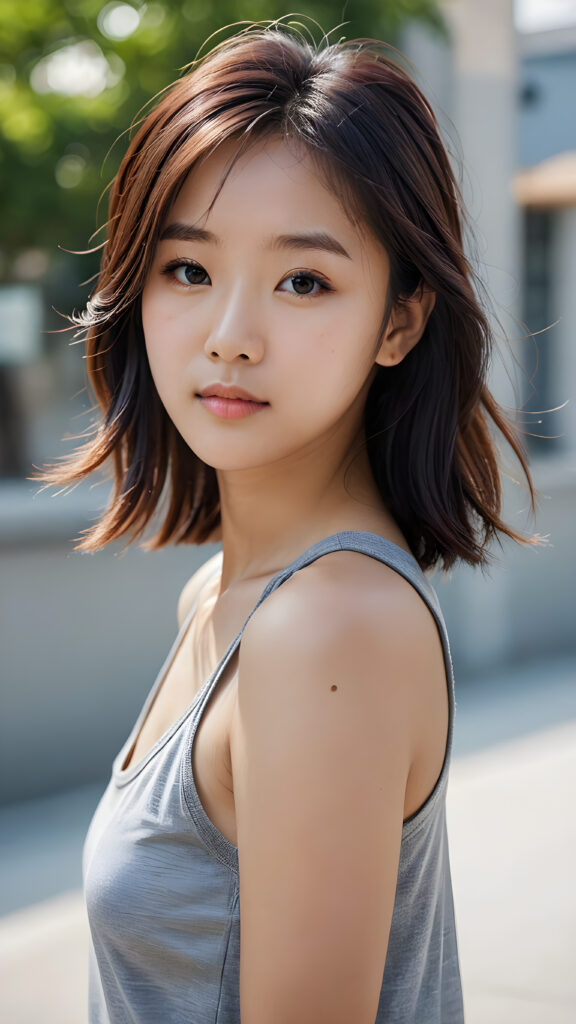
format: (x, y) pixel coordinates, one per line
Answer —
(186, 272)
(306, 284)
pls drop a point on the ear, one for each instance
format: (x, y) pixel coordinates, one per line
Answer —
(405, 326)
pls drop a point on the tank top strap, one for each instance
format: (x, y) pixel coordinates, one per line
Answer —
(375, 546)
(371, 544)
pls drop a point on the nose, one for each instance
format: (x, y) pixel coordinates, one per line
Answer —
(235, 333)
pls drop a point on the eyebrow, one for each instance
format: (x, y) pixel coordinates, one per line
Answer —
(320, 241)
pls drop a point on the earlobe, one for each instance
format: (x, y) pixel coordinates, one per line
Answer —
(406, 326)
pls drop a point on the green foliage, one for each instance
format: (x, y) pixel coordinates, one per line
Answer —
(60, 143)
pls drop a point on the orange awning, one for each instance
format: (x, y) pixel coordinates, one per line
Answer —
(550, 183)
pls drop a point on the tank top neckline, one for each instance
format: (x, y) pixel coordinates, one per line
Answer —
(344, 540)
(122, 776)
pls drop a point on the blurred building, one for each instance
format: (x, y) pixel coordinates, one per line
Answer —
(545, 187)
(82, 637)
(493, 88)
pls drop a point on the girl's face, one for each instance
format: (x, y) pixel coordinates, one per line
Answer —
(274, 291)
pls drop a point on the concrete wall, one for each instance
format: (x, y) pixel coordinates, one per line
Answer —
(81, 640)
(524, 607)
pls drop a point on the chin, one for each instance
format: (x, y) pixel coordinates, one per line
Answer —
(238, 457)
(227, 461)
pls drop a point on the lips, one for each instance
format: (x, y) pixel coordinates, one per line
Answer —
(229, 391)
(229, 402)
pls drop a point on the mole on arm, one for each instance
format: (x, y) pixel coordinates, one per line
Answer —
(333, 687)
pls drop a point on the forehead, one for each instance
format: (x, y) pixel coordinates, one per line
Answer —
(273, 184)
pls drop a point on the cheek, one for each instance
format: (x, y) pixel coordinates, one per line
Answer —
(160, 356)
(335, 360)
(163, 337)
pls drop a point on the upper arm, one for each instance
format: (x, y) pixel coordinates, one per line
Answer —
(192, 588)
(319, 784)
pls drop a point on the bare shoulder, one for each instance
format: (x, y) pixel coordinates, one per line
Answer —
(351, 610)
(194, 585)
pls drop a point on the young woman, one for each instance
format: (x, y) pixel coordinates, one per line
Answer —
(289, 357)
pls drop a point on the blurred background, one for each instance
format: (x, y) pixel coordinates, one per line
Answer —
(82, 637)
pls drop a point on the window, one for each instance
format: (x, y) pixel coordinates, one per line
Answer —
(539, 315)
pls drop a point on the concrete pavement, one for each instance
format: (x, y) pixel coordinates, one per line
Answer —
(513, 842)
(512, 828)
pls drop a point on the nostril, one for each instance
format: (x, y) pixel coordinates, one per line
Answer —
(216, 355)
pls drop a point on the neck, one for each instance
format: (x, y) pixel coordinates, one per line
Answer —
(271, 514)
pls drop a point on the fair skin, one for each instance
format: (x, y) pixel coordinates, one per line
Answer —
(311, 753)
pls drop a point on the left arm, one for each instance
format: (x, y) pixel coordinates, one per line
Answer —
(319, 781)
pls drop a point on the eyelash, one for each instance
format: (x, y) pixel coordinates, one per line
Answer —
(169, 271)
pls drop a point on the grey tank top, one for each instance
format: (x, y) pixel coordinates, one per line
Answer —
(161, 881)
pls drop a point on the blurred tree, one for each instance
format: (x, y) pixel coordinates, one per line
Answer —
(75, 73)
